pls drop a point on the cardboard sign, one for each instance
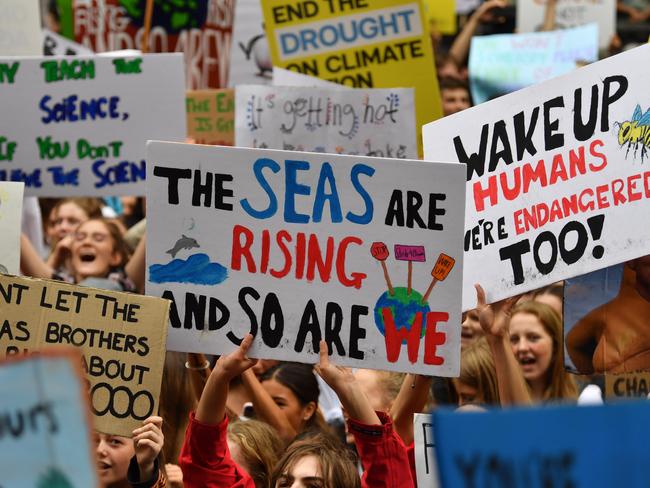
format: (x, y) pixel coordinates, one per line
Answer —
(573, 446)
(505, 63)
(627, 386)
(202, 30)
(606, 320)
(20, 28)
(557, 177)
(441, 15)
(121, 335)
(371, 44)
(250, 57)
(426, 466)
(570, 13)
(79, 125)
(44, 428)
(280, 244)
(367, 122)
(11, 208)
(211, 116)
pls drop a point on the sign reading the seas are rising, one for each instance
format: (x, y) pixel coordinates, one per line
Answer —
(371, 122)
(78, 126)
(44, 428)
(298, 247)
(211, 116)
(557, 176)
(572, 446)
(121, 335)
(364, 44)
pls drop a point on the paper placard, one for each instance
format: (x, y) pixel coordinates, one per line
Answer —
(573, 446)
(250, 57)
(441, 15)
(280, 243)
(371, 44)
(79, 125)
(366, 122)
(20, 28)
(285, 77)
(122, 337)
(570, 13)
(45, 436)
(627, 386)
(211, 116)
(426, 466)
(56, 45)
(557, 177)
(11, 208)
(505, 63)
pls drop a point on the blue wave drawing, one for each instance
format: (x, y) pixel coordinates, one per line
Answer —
(196, 269)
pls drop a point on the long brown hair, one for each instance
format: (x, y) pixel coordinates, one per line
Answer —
(260, 446)
(477, 370)
(560, 384)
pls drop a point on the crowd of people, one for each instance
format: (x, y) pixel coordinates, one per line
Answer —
(235, 421)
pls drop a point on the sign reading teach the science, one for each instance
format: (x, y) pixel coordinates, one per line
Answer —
(78, 126)
(297, 247)
(121, 335)
(44, 428)
(371, 122)
(572, 446)
(557, 176)
(364, 44)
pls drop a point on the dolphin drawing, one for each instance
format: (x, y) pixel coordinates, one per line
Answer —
(183, 243)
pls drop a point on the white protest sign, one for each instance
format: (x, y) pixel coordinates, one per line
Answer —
(250, 57)
(11, 205)
(426, 466)
(371, 122)
(44, 429)
(78, 126)
(286, 77)
(570, 13)
(296, 247)
(56, 45)
(20, 28)
(557, 177)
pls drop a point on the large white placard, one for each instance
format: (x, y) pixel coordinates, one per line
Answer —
(370, 122)
(426, 466)
(78, 126)
(20, 28)
(362, 252)
(558, 182)
(11, 205)
(570, 13)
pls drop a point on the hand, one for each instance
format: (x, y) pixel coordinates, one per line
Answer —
(337, 377)
(494, 319)
(148, 441)
(235, 363)
(483, 14)
(174, 476)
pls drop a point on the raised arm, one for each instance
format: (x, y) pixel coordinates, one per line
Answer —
(411, 399)
(31, 263)
(135, 268)
(549, 16)
(494, 320)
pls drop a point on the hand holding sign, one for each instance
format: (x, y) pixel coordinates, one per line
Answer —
(441, 269)
(380, 252)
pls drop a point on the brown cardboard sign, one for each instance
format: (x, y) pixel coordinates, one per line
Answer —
(122, 337)
(211, 116)
(629, 385)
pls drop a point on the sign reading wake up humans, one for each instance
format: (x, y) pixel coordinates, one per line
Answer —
(297, 247)
(360, 43)
(78, 126)
(557, 176)
(121, 335)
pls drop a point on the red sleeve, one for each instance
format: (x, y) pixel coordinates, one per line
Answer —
(205, 458)
(410, 452)
(383, 454)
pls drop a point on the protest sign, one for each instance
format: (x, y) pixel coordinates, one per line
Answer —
(201, 30)
(56, 45)
(426, 466)
(369, 122)
(557, 183)
(20, 28)
(369, 44)
(628, 386)
(505, 63)
(606, 319)
(11, 205)
(441, 15)
(250, 57)
(121, 335)
(570, 13)
(78, 126)
(286, 246)
(285, 77)
(211, 116)
(44, 429)
(551, 446)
